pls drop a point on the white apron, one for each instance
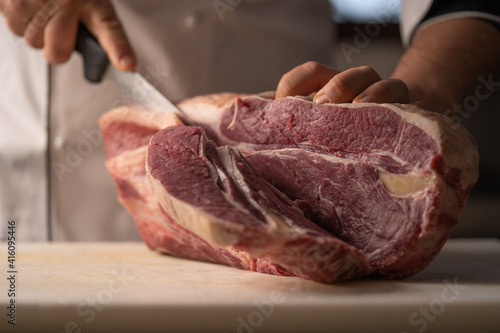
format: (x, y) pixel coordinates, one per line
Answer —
(54, 183)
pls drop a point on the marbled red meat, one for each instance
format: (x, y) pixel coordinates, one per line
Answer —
(357, 189)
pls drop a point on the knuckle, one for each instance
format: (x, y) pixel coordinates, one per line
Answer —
(109, 18)
(390, 91)
(383, 89)
(368, 71)
(312, 67)
(365, 68)
(290, 79)
(57, 55)
(339, 85)
(30, 36)
(32, 30)
(100, 15)
(51, 7)
(35, 42)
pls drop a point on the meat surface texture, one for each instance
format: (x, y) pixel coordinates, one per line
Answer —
(325, 192)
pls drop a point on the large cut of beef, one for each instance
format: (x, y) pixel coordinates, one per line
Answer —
(288, 187)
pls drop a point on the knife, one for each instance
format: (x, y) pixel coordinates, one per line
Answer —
(97, 67)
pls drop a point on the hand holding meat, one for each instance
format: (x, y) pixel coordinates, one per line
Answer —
(360, 84)
(428, 64)
(53, 24)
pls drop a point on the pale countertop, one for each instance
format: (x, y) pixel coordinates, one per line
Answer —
(124, 287)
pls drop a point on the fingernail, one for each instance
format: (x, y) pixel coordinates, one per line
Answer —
(127, 62)
(365, 99)
(321, 99)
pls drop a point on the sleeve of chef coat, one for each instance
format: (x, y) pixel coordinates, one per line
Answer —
(416, 15)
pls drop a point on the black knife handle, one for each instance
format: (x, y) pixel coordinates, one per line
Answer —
(95, 60)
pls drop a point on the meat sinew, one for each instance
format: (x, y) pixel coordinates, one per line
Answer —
(325, 192)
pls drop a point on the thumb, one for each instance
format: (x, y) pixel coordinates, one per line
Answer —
(101, 19)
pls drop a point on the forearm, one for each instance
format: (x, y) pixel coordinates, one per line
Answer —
(444, 61)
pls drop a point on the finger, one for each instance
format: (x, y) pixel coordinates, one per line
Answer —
(34, 30)
(304, 79)
(344, 87)
(18, 14)
(385, 91)
(60, 33)
(101, 19)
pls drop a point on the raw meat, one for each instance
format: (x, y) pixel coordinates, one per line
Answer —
(211, 191)
(386, 184)
(127, 131)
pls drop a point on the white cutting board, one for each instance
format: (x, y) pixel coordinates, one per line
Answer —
(124, 287)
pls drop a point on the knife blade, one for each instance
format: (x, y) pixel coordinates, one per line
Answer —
(97, 67)
(141, 91)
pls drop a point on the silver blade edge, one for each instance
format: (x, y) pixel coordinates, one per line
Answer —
(140, 91)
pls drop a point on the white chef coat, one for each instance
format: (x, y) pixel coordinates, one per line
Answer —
(53, 180)
(413, 14)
